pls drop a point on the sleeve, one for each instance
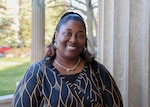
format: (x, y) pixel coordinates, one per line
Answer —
(111, 94)
(27, 93)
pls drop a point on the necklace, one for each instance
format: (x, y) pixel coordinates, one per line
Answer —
(68, 69)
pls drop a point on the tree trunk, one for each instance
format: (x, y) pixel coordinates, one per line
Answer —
(90, 17)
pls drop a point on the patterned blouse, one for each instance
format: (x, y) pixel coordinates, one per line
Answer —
(43, 86)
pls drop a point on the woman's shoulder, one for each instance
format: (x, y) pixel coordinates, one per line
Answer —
(98, 65)
(102, 72)
(100, 69)
(38, 66)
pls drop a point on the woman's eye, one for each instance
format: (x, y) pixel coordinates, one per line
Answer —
(80, 36)
(67, 34)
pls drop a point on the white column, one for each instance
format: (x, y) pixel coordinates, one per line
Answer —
(38, 30)
(121, 46)
(124, 47)
(139, 53)
(106, 28)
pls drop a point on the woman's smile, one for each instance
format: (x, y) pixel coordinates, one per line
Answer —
(71, 48)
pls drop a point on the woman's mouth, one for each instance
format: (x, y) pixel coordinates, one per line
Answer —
(71, 47)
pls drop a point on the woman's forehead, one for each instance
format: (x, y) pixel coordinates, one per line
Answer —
(74, 23)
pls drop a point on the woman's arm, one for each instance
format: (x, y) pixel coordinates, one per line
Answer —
(111, 94)
(27, 93)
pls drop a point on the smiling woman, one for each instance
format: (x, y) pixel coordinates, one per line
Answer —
(68, 76)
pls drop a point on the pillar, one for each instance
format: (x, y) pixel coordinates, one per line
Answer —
(139, 53)
(38, 30)
(124, 47)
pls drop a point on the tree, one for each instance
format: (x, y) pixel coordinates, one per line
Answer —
(24, 33)
(52, 14)
(15, 23)
(6, 22)
(5, 31)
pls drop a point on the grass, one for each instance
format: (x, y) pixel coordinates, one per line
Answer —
(11, 71)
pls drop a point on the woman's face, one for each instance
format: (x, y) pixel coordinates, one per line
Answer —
(70, 39)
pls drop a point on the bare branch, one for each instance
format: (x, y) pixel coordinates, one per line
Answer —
(80, 2)
(69, 6)
(94, 7)
(51, 1)
(55, 6)
(70, 2)
(96, 2)
(84, 12)
(1, 6)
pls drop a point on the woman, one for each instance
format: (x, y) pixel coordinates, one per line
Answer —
(68, 76)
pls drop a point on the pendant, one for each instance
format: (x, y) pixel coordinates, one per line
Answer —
(70, 69)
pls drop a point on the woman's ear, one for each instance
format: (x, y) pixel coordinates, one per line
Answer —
(56, 33)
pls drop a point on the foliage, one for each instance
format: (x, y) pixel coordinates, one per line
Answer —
(52, 15)
(5, 25)
(22, 37)
(24, 33)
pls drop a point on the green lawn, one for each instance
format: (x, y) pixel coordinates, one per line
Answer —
(11, 71)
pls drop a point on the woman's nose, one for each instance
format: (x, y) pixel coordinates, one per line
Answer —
(73, 38)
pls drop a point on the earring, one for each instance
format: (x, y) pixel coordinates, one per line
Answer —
(55, 45)
(84, 49)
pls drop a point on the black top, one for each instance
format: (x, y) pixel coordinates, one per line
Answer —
(43, 86)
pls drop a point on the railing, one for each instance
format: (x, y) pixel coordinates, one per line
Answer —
(5, 101)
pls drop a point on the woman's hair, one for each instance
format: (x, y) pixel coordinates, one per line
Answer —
(51, 51)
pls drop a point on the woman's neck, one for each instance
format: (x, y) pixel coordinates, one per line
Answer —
(69, 66)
